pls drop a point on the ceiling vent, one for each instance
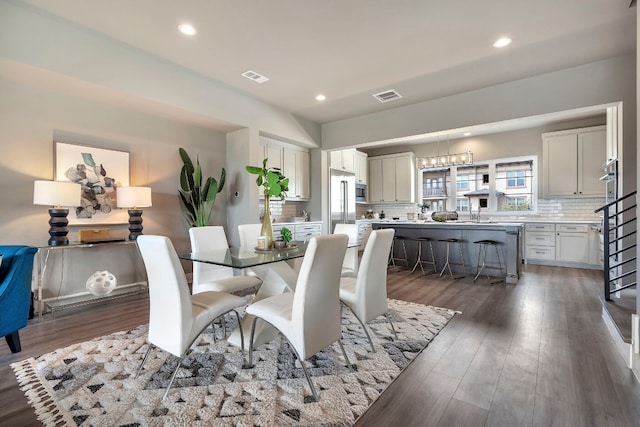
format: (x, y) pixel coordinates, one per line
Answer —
(252, 75)
(387, 95)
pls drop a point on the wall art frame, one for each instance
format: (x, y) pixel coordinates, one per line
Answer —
(100, 172)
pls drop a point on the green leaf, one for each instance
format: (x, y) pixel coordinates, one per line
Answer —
(223, 177)
(210, 190)
(197, 176)
(254, 170)
(186, 159)
(88, 159)
(184, 179)
(187, 204)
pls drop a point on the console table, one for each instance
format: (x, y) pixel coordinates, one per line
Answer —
(64, 294)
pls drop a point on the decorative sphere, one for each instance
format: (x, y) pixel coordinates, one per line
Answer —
(101, 283)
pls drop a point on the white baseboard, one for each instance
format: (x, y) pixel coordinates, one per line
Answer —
(625, 349)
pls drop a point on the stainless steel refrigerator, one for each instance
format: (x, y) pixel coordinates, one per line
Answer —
(343, 197)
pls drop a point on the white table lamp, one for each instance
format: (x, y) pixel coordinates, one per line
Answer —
(134, 198)
(57, 194)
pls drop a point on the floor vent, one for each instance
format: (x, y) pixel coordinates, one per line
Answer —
(252, 75)
(387, 95)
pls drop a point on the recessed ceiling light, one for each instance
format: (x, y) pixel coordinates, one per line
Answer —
(187, 29)
(502, 42)
(466, 134)
(320, 97)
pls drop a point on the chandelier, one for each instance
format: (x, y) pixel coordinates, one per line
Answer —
(444, 160)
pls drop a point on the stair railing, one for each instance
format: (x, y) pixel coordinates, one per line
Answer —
(619, 263)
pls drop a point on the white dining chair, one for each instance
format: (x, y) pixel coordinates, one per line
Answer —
(249, 234)
(308, 318)
(209, 277)
(350, 264)
(177, 318)
(366, 294)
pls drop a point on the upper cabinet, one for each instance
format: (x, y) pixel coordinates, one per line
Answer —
(572, 162)
(362, 167)
(296, 168)
(294, 163)
(344, 160)
(351, 160)
(392, 178)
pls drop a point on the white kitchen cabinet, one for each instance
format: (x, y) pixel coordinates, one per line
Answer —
(344, 160)
(561, 244)
(572, 243)
(293, 162)
(273, 152)
(303, 232)
(295, 166)
(539, 242)
(572, 161)
(364, 229)
(362, 169)
(392, 178)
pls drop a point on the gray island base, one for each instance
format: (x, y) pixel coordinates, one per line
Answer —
(508, 236)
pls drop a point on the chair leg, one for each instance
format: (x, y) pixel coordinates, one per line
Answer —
(306, 372)
(13, 340)
(173, 377)
(366, 332)
(253, 332)
(144, 359)
(344, 353)
(241, 331)
(388, 316)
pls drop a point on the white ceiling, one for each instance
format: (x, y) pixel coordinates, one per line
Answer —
(349, 50)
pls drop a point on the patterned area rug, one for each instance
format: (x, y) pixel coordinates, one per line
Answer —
(92, 383)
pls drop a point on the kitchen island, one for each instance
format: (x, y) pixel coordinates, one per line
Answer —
(508, 236)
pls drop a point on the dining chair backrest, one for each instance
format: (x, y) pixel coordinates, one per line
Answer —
(371, 283)
(170, 311)
(315, 316)
(207, 239)
(351, 257)
(249, 234)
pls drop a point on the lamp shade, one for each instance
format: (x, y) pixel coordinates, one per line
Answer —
(56, 193)
(133, 197)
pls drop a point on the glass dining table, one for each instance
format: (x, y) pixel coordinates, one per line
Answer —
(278, 270)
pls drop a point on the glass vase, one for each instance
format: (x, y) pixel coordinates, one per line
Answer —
(267, 228)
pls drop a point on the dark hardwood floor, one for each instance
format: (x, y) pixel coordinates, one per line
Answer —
(535, 353)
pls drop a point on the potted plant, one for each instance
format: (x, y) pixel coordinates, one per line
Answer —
(286, 235)
(198, 199)
(273, 184)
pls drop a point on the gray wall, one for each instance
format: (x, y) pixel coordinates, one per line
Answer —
(524, 142)
(32, 118)
(598, 83)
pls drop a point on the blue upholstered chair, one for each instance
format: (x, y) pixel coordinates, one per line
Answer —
(15, 291)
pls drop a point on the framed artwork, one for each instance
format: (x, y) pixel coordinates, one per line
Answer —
(99, 172)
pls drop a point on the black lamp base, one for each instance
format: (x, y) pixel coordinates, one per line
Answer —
(58, 227)
(135, 223)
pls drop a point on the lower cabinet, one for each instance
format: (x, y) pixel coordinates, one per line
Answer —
(364, 229)
(305, 231)
(561, 244)
(572, 243)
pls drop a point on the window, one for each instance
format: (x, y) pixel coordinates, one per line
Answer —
(514, 185)
(462, 183)
(484, 203)
(517, 203)
(462, 205)
(516, 179)
(434, 183)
